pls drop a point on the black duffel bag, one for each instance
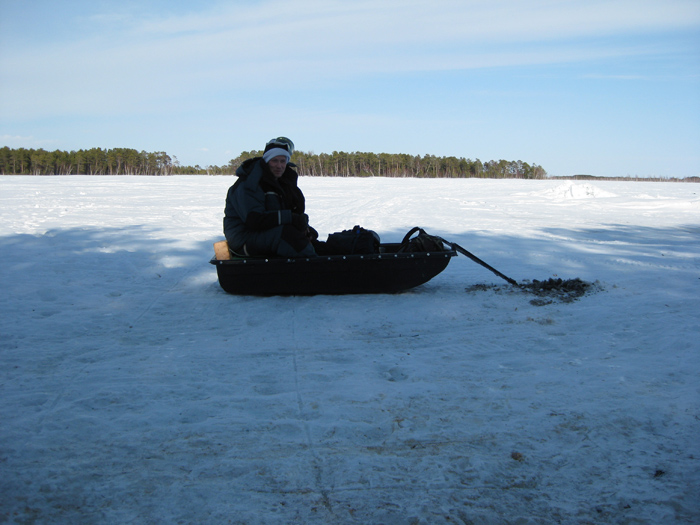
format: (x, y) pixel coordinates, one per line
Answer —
(350, 242)
(423, 242)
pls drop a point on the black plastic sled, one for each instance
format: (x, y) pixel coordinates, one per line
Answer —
(391, 270)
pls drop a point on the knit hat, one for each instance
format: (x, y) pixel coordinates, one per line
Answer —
(277, 147)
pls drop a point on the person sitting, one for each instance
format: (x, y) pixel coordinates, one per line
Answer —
(264, 212)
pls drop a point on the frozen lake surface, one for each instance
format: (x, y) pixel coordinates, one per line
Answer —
(134, 390)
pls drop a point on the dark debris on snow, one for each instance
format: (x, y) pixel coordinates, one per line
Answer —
(547, 292)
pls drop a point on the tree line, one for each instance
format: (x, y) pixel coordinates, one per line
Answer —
(95, 161)
(127, 161)
(363, 164)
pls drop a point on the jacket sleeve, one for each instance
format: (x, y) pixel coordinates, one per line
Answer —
(257, 221)
(248, 203)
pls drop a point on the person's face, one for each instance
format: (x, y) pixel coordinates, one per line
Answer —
(277, 165)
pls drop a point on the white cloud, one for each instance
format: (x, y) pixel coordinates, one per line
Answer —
(14, 138)
(143, 64)
(19, 141)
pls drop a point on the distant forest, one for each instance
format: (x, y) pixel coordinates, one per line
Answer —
(126, 161)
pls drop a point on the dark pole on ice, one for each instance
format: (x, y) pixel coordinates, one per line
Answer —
(474, 258)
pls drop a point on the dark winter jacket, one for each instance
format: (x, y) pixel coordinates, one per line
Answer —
(257, 205)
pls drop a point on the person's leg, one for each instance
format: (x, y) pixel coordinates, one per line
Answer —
(294, 243)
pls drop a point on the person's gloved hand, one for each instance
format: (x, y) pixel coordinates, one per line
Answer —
(300, 221)
(311, 233)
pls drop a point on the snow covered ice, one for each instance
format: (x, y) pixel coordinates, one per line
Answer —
(134, 390)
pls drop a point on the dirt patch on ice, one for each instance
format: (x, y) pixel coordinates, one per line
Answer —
(547, 292)
(551, 290)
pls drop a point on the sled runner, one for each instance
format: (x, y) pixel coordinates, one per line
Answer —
(395, 267)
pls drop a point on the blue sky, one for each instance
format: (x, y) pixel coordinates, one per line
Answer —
(608, 88)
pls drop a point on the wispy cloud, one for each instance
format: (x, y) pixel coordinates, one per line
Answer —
(616, 77)
(152, 61)
(19, 141)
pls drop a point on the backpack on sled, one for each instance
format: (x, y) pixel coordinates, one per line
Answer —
(423, 242)
(352, 242)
